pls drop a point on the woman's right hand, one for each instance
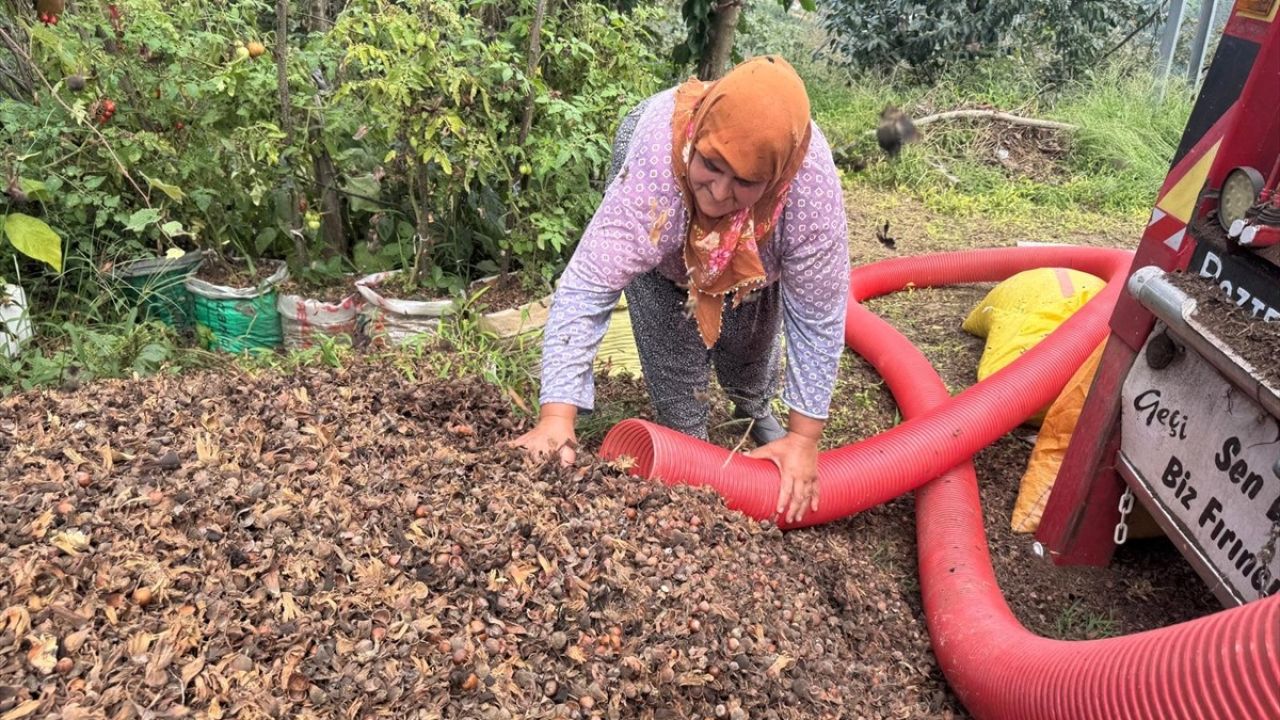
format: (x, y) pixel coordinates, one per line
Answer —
(554, 434)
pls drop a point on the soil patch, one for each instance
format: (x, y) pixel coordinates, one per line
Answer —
(1022, 150)
(1249, 337)
(219, 271)
(506, 292)
(327, 290)
(1148, 585)
(400, 287)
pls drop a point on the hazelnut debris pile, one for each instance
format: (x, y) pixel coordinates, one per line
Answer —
(355, 543)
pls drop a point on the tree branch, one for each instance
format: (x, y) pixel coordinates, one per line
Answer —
(992, 115)
(535, 56)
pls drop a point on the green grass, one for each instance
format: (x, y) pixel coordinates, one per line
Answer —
(69, 353)
(462, 349)
(1111, 167)
(1076, 622)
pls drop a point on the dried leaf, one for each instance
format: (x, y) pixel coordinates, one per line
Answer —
(191, 669)
(16, 619)
(520, 574)
(779, 665)
(108, 460)
(575, 653)
(288, 608)
(55, 472)
(206, 448)
(71, 542)
(519, 401)
(138, 644)
(693, 679)
(40, 526)
(73, 642)
(23, 710)
(43, 654)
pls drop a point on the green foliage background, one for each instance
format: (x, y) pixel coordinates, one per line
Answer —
(419, 104)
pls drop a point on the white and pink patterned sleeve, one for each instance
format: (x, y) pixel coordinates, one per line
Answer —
(628, 236)
(815, 282)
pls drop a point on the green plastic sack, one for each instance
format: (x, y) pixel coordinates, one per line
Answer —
(238, 319)
(158, 287)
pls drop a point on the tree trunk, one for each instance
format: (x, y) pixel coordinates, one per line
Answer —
(286, 125)
(17, 81)
(420, 197)
(720, 49)
(535, 56)
(333, 226)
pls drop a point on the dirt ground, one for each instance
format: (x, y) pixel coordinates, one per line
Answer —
(1149, 584)
(353, 543)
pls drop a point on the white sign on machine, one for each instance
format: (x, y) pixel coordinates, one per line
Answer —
(1205, 453)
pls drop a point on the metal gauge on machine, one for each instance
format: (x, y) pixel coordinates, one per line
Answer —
(1239, 191)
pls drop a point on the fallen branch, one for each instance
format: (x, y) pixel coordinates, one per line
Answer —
(992, 115)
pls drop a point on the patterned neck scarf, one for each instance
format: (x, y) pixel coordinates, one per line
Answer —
(756, 119)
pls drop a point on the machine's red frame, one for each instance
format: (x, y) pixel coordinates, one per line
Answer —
(1235, 122)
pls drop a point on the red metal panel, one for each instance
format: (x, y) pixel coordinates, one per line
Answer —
(1081, 513)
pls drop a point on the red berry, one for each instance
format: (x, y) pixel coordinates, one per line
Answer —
(179, 125)
(109, 106)
(44, 17)
(53, 20)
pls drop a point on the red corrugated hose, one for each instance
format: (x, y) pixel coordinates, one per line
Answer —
(1226, 665)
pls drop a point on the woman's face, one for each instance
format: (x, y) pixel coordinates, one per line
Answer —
(716, 190)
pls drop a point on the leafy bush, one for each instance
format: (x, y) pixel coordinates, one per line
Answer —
(925, 37)
(140, 125)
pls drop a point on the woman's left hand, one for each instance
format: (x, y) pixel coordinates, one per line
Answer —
(796, 456)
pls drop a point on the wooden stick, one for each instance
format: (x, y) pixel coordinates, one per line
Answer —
(992, 115)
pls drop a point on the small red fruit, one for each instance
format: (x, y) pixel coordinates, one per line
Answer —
(178, 125)
(109, 106)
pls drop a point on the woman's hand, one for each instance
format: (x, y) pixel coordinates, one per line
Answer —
(554, 434)
(796, 456)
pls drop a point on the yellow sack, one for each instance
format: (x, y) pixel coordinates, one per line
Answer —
(1031, 290)
(618, 354)
(1014, 333)
(1051, 448)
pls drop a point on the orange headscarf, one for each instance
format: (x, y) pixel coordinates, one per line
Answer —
(756, 119)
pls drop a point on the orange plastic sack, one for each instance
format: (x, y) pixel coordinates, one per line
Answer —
(1051, 447)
